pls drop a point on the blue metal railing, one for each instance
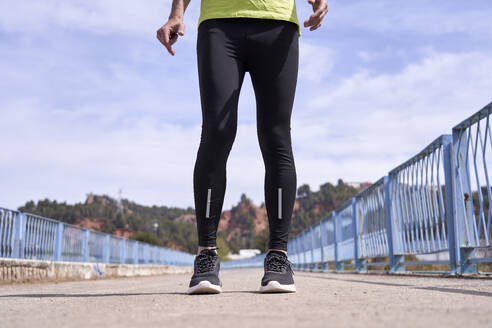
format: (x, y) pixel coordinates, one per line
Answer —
(472, 143)
(437, 203)
(29, 236)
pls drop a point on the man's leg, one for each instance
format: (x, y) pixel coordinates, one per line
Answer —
(221, 75)
(273, 65)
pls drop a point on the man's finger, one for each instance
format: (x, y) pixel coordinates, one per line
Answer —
(161, 37)
(317, 22)
(324, 14)
(181, 29)
(315, 27)
(311, 21)
(170, 50)
(165, 34)
(317, 13)
(166, 42)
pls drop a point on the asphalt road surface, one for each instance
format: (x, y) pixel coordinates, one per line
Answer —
(322, 300)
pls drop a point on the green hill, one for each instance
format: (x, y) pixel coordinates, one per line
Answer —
(245, 225)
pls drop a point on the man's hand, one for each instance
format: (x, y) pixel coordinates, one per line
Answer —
(320, 8)
(168, 33)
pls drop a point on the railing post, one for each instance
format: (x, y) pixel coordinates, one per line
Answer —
(12, 252)
(18, 238)
(151, 254)
(146, 253)
(321, 246)
(313, 262)
(85, 245)
(395, 261)
(300, 248)
(296, 251)
(136, 260)
(337, 232)
(166, 256)
(355, 225)
(299, 257)
(449, 190)
(291, 252)
(304, 264)
(173, 257)
(107, 248)
(123, 251)
(295, 242)
(58, 242)
(463, 205)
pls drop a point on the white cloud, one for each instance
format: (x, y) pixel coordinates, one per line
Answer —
(369, 123)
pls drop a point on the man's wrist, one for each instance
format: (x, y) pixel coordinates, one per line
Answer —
(178, 9)
(176, 16)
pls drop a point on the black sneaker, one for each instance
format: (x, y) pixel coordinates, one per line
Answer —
(205, 279)
(278, 277)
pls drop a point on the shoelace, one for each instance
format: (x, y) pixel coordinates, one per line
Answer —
(278, 263)
(205, 262)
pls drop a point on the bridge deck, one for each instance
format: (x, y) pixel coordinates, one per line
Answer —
(322, 300)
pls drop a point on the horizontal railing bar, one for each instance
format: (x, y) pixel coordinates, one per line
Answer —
(425, 262)
(44, 218)
(432, 272)
(481, 114)
(481, 260)
(369, 189)
(377, 263)
(485, 273)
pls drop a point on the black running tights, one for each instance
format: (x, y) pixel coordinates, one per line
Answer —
(268, 50)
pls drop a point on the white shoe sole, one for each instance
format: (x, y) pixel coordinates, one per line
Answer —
(204, 287)
(276, 287)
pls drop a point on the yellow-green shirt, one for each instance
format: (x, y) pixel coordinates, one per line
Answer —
(271, 9)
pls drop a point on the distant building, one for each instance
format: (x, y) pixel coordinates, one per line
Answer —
(358, 185)
(244, 254)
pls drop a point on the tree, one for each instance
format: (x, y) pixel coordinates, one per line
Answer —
(147, 237)
(304, 191)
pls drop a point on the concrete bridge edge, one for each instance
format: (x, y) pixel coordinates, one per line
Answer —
(22, 271)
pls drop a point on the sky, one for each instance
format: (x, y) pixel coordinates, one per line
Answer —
(90, 101)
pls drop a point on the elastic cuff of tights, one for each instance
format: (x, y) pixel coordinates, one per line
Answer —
(281, 247)
(208, 244)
